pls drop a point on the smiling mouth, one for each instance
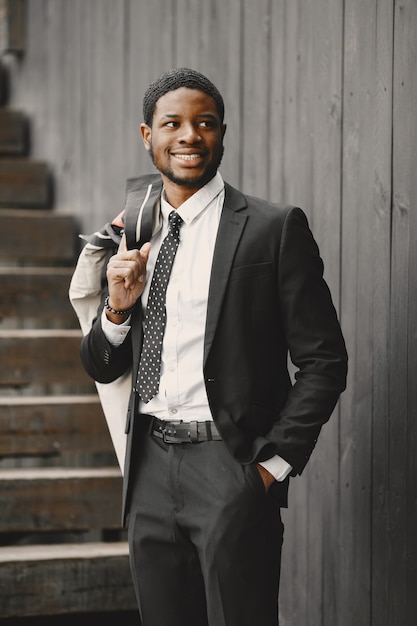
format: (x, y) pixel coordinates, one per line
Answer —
(187, 157)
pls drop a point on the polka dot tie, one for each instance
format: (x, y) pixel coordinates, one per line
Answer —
(150, 361)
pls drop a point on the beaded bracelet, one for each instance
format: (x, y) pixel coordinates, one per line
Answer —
(109, 308)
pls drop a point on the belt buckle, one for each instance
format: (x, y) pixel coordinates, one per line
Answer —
(191, 437)
(166, 433)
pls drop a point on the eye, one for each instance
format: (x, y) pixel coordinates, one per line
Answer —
(172, 124)
(206, 124)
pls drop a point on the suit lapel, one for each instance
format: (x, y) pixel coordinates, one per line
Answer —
(231, 227)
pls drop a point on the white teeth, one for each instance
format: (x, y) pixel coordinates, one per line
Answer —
(187, 157)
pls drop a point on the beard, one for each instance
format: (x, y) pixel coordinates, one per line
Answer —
(191, 182)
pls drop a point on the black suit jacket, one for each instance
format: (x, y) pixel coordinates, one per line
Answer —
(267, 298)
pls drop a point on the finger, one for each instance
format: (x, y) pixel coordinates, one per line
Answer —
(123, 244)
(144, 253)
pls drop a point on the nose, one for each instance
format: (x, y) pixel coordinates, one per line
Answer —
(190, 133)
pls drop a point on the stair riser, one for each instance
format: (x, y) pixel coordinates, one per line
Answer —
(35, 237)
(41, 360)
(36, 296)
(41, 430)
(66, 586)
(60, 504)
(25, 184)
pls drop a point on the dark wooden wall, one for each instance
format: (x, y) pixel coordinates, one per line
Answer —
(321, 106)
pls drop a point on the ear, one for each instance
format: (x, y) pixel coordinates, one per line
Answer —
(146, 132)
(223, 130)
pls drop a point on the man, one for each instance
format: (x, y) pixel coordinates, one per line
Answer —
(215, 427)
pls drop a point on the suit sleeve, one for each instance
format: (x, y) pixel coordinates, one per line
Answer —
(103, 361)
(315, 343)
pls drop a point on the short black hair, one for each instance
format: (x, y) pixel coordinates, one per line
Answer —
(175, 79)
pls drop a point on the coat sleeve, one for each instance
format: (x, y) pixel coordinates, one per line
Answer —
(315, 343)
(103, 361)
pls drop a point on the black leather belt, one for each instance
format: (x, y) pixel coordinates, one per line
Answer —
(184, 432)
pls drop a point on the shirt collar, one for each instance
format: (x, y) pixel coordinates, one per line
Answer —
(199, 201)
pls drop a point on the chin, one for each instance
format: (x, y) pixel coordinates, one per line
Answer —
(191, 182)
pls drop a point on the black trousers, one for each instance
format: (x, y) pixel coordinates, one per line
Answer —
(204, 537)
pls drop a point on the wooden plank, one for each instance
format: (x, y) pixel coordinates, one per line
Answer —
(60, 579)
(382, 587)
(294, 585)
(402, 486)
(45, 425)
(255, 97)
(276, 157)
(14, 137)
(41, 357)
(294, 130)
(358, 267)
(24, 184)
(37, 235)
(45, 499)
(36, 293)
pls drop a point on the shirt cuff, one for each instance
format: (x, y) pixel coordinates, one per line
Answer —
(115, 333)
(277, 467)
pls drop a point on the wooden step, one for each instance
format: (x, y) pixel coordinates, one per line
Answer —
(14, 135)
(41, 357)
(38, 293)
(24, 184)
(65, 578)
(64, 499)
(38, 235)
(45, 425)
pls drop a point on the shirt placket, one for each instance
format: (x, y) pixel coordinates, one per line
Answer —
(170, 344)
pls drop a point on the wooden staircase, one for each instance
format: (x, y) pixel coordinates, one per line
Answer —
(62, 551)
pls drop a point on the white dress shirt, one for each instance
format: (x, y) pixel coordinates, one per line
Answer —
(182, 393)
